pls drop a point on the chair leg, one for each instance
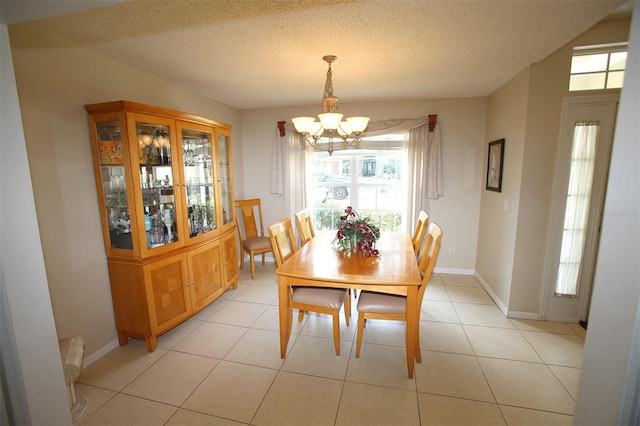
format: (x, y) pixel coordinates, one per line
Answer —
(253, 266)
(300, 315)
(347, 308)
(417, 346)
(336, 331)
(242, 259)
(359, 333)
(263, 258)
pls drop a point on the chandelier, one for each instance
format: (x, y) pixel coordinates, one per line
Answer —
(331, 124)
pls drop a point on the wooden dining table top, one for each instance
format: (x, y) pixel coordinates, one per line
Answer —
(394, 269)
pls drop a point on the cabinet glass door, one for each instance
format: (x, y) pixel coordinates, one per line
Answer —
(224, 164)
(157, 183)
(198, 181)
(114, 184)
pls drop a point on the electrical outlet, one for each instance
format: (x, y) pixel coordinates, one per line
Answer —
(452, 249)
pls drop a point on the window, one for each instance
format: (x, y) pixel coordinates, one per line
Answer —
(598, 67)
(577, 208)
(371, 179)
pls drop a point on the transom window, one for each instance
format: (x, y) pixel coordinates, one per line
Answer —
(598, 67)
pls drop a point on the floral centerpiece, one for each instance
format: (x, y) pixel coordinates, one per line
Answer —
(357, 234)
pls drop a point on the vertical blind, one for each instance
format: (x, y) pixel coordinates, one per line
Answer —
(576, 217)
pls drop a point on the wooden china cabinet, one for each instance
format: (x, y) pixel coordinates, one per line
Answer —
(165, 189)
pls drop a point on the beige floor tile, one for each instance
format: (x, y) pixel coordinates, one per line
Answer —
(452, 375)
(383, 332)
(258, 294)
(436, 292)
(211, 339)
(174, 336)
(459, 280)
(444, 337)
(569, 377)
(316, 356)
(124, 410)
(526, 385)
(375, 405)
(516, 416)
(380, 365)
(469, 295)
(434, 310)
(321, 325)
(94, 398)
(258, 347)
(438, 410)
(172, 378)
(121, 366)
(544, 326)
(266, 279)
(579, 330)
(297, 399)
(500, 343)
(238, 313)
(557, 349)
(485, 315)
(270, 320)
(191, 418)
(436, 279)
(232, 391)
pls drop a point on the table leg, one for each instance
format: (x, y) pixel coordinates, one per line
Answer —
(412, 324)
(284, 310)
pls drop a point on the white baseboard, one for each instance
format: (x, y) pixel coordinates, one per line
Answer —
(499, 303)
(88, 360)
(523, 315)
(454, 271)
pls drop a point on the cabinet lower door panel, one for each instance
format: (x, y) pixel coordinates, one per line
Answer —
(206, 285)
(169, 293)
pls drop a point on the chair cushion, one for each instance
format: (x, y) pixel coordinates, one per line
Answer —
(326, 297)
(256, 243)
(382, 303)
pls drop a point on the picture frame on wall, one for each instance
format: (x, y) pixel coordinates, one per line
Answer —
(495, 164)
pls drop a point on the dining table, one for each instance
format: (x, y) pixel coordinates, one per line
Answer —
(319, 263)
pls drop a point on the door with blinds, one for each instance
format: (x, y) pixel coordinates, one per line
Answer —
(582, 165)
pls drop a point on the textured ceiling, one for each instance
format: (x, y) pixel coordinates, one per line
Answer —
(268, 53)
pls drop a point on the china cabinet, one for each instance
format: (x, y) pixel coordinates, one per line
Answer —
(165, 190)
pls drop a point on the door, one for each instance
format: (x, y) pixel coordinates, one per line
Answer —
(206, 275)
(582, 165)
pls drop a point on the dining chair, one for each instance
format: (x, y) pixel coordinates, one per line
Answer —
(305, 226)
(315, 299)
(372, 305)
(420, 231)
(252, 239)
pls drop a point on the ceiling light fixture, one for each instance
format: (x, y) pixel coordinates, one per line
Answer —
(319, 135)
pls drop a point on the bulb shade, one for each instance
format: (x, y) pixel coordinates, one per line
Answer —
(316, 129)
(303, 124)
(344, 129)
(330, 120)
(358, 124)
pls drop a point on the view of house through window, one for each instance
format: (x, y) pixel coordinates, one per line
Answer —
(598, 67)
(371, 180)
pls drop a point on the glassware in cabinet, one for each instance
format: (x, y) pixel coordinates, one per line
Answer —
(157, 179)
(224, 170)
(199, 183)
(114, 183)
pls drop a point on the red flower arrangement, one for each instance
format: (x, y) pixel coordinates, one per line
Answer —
(357, 234)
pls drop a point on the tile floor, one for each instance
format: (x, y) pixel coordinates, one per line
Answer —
(223, 367)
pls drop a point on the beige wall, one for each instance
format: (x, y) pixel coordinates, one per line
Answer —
(517, 276)
(54, 83)
(462, 125)
(506, 118)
